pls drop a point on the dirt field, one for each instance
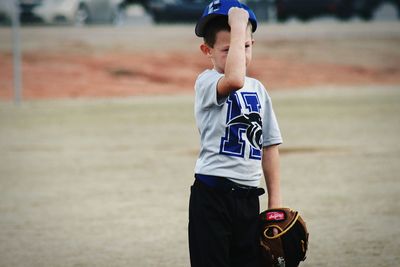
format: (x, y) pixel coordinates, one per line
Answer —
(105, 181)
(100, 61)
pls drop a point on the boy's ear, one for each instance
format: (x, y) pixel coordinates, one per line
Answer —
(205, 49)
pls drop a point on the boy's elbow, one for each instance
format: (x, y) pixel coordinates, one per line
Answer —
(235, 83)
(230, 83)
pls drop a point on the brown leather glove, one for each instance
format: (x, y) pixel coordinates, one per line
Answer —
(289, 246)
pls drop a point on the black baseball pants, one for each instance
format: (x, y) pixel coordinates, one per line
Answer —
(223, 227)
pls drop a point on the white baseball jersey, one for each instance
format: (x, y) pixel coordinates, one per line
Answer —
(233, 130)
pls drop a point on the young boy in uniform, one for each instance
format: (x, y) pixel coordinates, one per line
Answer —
(239, 135)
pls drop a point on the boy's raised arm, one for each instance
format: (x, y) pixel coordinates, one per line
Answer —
(235, 68)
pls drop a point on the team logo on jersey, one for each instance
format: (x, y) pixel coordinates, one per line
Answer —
(253, 124)
(243, 130)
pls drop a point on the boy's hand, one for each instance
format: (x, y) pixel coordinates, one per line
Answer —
(238, 16)
(235, 65)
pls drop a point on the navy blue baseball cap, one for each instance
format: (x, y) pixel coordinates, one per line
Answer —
(221, 8)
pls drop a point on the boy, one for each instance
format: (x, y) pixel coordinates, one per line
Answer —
(239, 137)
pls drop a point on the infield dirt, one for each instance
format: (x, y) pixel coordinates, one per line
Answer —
(125, 61)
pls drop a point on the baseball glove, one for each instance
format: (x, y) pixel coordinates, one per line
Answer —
(289, 246)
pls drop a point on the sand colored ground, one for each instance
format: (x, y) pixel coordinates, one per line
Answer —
(106, 182)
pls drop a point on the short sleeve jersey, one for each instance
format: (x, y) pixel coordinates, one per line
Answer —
(234, 129)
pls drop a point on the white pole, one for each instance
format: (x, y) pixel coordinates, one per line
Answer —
(16, 51)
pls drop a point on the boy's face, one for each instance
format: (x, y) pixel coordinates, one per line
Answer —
(219, 52)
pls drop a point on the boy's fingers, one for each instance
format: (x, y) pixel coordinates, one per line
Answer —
(233, 8)
(237, 15)
(275, 231)
(238, 10)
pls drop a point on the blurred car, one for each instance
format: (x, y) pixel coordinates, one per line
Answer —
(26, 8)
(343, 9)
(303, 9)
(176, 10)
(365, 9)
(143, 3)
(80, 12)
(191, 10)
(5, 11)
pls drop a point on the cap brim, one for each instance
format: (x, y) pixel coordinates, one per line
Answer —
(201, 24)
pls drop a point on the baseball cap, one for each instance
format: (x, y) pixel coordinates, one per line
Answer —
(221, 8)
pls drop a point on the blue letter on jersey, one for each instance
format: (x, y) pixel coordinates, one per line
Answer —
(239, 125)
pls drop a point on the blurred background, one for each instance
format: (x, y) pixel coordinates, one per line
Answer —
(98, 140)
(96, 40)
(80, 12)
